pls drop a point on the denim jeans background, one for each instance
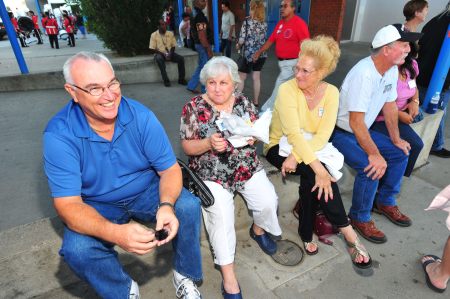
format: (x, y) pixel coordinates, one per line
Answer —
(439, 140)
(364, 188)
(202, 60)
(225, 46)
(406, 133)
(96, 262)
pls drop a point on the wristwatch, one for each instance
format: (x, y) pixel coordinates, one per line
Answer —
(166, 203)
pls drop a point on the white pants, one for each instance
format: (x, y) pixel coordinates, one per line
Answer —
(261, 199)
(286, 73)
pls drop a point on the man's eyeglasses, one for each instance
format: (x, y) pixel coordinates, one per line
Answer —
(303, 71)
(284, 5)
(97, 91)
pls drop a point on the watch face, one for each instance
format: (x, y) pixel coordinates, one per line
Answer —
(161, 234)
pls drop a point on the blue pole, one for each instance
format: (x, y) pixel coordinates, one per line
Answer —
(13, 38)
(180, 12)
(440, 70)
(38, 11)
(215, 11)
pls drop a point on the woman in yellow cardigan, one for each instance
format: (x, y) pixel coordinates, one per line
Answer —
(305, 113)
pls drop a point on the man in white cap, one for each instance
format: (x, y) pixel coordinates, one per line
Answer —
(380, 161)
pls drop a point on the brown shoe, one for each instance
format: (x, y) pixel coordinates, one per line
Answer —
(369, 231)
(393, 214)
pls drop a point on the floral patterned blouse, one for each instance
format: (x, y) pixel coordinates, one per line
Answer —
(232, 168)
(256, 37)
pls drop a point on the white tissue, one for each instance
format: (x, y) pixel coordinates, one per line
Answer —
(242, 130)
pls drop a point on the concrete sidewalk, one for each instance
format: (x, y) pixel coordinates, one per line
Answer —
(30, 235)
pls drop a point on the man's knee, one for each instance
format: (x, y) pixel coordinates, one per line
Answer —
(187, 204)
(77, 249)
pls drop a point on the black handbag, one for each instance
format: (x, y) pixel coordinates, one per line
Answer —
(195, 185)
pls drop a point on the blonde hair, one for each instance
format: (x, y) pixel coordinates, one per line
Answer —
(259, 11)
(325, 52)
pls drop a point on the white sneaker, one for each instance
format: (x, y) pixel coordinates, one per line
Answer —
(185, 287)
(134, 290)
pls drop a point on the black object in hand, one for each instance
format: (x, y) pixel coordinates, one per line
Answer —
(161, 234)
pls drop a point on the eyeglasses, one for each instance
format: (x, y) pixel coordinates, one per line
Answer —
(284, 5)
(303, 71)
(97, 91)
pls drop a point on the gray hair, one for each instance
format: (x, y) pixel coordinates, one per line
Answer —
(376, 51)
(217, 66)
(85, 55)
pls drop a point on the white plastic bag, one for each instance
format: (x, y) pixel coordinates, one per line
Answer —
(242, 129)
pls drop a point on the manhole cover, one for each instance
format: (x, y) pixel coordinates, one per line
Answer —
(288, 253)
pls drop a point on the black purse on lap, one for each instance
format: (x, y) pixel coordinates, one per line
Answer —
(195, 185)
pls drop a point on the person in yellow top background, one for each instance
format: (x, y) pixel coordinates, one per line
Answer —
(305, 112)
(162, 44)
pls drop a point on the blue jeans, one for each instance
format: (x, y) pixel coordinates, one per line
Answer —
(406, 133)
(364, 188)
(225, 46)
(438, 142)
(96, 262)
(202, 60)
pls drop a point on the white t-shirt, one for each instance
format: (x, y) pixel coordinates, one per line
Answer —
(182, 36)
(227, 22)
(365, 90)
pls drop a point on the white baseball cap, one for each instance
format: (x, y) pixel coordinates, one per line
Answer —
(392, 33)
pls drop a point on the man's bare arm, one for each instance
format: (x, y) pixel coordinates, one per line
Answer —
(390, 112)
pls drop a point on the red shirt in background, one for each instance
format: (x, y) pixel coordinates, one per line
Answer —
(35, 21)
(288, 36)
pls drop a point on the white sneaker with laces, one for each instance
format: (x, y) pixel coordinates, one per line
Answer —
(134, 290)
(185, 287)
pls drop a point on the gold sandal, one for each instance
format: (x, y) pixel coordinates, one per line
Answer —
(359, 249)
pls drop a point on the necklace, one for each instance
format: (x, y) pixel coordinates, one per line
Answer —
(309, 98)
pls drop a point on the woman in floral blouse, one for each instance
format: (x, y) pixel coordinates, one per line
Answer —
(226, 169)
(251, 38)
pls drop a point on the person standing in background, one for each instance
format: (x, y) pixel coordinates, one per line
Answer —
(415, 12)
(288, 35)
(429, 47)
(202, 37)
(227, 32)
(51, 28)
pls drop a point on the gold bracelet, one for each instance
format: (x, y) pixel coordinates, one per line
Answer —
(415, 100)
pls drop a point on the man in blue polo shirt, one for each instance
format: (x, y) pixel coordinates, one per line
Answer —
(108, 160)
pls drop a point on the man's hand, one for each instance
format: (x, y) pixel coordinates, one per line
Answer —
(413, 109)
(377, 166)
(403, 145)
(166, 219)
(135, 238)
(405, 118)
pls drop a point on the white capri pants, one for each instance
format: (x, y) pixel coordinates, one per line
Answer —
(261, 199)
(286, 73)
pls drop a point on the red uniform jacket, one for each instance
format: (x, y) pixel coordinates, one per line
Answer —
(35, 21)
(50, 25)
(68, 24)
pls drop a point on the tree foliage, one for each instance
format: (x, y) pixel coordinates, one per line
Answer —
(124, 26)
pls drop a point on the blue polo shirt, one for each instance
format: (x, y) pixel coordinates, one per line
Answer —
(78, 162)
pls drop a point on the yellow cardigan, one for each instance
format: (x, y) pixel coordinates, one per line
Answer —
(291, 117)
